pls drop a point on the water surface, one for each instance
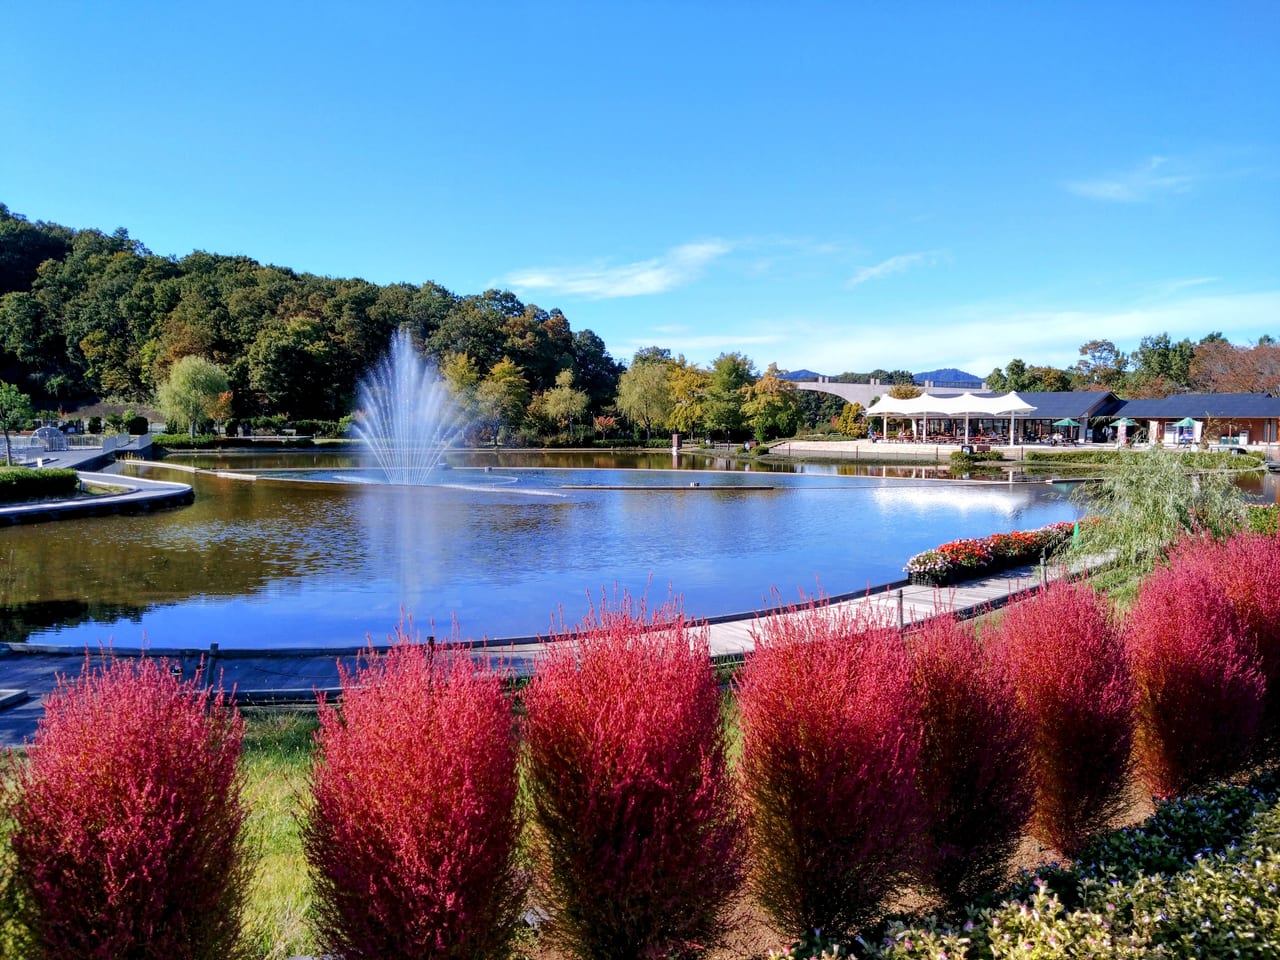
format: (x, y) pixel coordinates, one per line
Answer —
(512, 544)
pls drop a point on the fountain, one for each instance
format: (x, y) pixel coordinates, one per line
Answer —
(409, 415)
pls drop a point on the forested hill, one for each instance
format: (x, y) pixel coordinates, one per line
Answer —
(87, 315)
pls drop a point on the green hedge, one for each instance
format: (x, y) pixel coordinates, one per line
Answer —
(207, 441)
(1263, 519)
(183, 441)
(21, 483)
(961, 460)
(1200, 878)
(1198, 459)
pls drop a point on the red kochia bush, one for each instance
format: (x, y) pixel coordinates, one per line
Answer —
(638, 843)
(1247, 568)
(411, 831)
(975, 774)
(128, 819)
(1073, 684)
(830, 744)
(1200, 692)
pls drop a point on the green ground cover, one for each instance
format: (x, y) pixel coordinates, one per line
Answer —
(18, 484)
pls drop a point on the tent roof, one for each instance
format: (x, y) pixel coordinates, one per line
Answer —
(965, 404)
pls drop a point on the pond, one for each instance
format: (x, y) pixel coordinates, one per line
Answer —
(507, 546)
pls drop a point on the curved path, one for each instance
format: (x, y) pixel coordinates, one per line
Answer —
(137, 495)
(29, 672)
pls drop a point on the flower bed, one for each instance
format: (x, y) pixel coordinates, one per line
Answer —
(975, 556)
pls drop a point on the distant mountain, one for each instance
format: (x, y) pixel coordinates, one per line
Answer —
(949, 375)
(799, 375)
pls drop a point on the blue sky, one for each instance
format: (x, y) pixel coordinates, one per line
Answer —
(837, 186)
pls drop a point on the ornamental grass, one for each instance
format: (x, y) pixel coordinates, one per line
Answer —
(1200, 689)
(1246, 567)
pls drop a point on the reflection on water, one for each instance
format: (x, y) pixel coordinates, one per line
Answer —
(263, 563)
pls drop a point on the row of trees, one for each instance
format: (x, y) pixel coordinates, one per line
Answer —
(1159, 367)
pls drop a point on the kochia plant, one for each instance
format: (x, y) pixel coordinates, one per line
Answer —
(830, 746)
(637, 841)
(975, 774)
(1200, 690)
(1073, 684)
(1246, 568)
(128, 821)
(411, 830)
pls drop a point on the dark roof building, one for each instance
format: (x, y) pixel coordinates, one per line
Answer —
(1219, 406)
(1068, 404)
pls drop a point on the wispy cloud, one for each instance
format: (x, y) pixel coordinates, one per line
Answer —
(1147, 181)
(887, 268)
(677, 267)
(1170, 287)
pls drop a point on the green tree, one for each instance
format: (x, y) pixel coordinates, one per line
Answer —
(563, 404)
(852, 422)
(291, 365)
(1161, 367)
(15, 411)
(594, 370)
(771, 406)
(644, 394)
(503, 397)
(731, 374)
(688, 383)
(1015, 376)
(1102, 365)
(24, 246)
(193, 392)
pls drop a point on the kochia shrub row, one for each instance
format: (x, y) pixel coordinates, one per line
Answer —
(865, 759)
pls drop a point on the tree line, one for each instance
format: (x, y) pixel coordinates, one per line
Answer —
(87, 316)
(1159, 367)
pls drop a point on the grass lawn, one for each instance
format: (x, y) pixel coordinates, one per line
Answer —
(276, 758)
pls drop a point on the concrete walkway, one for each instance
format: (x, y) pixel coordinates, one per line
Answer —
(28, 672)
(138, 495)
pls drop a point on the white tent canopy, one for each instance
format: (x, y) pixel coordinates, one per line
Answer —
(964, 405)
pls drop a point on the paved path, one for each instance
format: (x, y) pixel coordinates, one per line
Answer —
(29, 672)
(137, 495)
